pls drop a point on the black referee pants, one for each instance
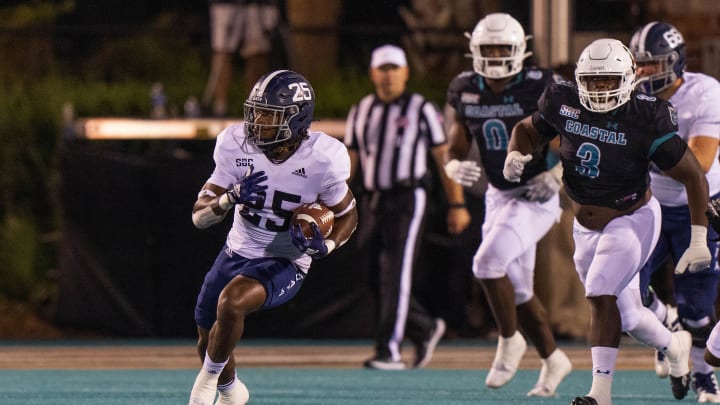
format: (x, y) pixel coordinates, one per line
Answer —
(389, 233)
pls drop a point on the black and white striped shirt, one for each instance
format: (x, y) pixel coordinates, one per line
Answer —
(393, 140)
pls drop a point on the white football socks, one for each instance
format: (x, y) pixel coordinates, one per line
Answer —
(203, 391)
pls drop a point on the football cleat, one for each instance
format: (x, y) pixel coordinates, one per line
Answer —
(584, 401)
(680, 386)
(678, 360)
(555, 368)
(237, 395)
(426, 348)
(203, 391)
(384, 363)
(706, 387)
(507, 359)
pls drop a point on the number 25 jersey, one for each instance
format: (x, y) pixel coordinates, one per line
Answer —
(317, 171)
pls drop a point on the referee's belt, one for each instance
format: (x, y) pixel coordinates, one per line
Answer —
(403, 185)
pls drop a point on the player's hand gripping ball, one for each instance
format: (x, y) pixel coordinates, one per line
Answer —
(316, 213)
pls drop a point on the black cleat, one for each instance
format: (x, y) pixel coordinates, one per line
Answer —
(584, 401)
(680, 386)
(384, 363)
(426, 348)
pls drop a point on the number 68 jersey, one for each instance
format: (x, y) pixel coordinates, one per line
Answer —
(317, 171)
(606, 157)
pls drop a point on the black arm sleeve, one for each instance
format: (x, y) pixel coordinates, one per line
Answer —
(669, 153)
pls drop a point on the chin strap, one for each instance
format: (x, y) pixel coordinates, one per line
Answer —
(283, 150)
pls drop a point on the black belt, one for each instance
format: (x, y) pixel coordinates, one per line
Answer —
(404, 185)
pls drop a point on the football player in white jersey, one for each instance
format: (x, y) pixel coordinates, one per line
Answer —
(264, 169)
(660, 52)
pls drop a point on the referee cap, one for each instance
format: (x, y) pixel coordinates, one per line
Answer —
(388, 55)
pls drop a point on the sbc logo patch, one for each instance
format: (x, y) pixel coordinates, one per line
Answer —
(569, 112)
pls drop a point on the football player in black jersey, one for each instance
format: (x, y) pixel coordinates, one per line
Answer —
(484, 105)
(609, 135)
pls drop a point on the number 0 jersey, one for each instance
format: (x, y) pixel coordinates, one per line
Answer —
(317, 171)
(489, 118)
(606, 156)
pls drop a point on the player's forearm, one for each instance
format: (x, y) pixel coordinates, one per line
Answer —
(697, 191)
(525, 138)
(344, 227)
(458, 145)
(209, 209)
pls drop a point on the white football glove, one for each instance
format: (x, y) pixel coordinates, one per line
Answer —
(514, 166)
(697, 255)
(545, 185)
(465, 172)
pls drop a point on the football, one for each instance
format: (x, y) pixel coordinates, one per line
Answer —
(309, 213)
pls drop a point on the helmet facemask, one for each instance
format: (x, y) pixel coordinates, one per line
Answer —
(267, 125)
(601, 100)
(497, 67)
(665, 75)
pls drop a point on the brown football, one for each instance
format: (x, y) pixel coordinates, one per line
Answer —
(317, 213)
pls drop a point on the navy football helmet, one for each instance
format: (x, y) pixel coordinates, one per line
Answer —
(661, 43)
(278, 113)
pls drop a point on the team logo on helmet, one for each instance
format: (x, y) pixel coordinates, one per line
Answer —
(661, 44)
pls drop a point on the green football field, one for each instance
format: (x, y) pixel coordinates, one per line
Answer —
(316, 386)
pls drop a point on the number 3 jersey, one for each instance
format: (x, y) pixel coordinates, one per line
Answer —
(490, 118)
(317, 171)
(606, 156)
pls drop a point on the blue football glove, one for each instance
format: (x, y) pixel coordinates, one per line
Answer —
(247, 190)
(315, 247)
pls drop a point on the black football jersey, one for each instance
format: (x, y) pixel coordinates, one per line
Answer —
(606, 156)
(490, 118)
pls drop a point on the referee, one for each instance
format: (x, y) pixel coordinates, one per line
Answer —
(389, 134)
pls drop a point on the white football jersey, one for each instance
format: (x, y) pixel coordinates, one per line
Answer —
(698, 113)
(317, 171)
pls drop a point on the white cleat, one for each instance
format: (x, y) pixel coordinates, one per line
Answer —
(555, 368)
(203, 391)
(678, 355)
(237, 395)
(507, 358)
(679, 358)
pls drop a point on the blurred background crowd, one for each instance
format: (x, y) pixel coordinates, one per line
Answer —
(87, 247)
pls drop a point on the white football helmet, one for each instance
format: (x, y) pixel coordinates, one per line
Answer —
(498, 29)
(605, 57)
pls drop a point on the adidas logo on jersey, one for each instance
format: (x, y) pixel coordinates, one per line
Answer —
(300, 172)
